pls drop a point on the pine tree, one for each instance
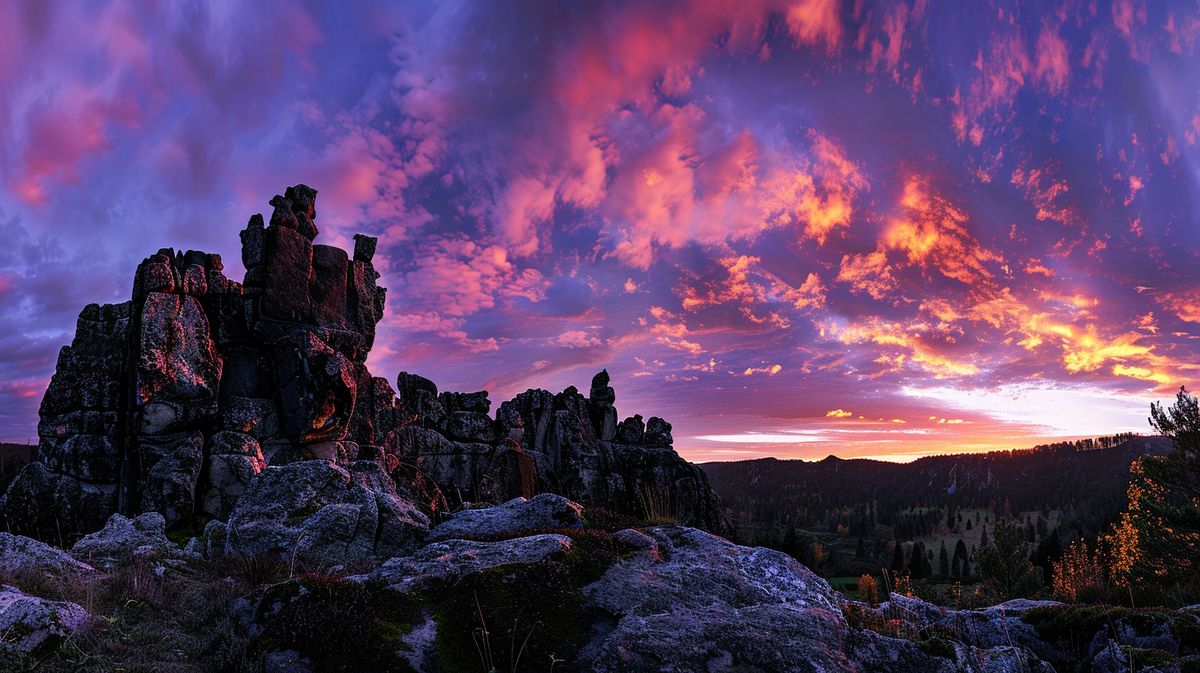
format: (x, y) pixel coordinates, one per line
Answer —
(983, 539)
(898, 557)
(943, 561)
(1004, 564)
(1157, 538)
(861, 550)
(918, 565)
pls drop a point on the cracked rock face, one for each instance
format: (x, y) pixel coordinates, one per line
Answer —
(176, 400)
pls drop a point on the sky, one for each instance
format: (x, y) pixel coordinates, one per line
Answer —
(792, 228)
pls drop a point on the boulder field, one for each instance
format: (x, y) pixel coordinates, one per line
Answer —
(527, 585)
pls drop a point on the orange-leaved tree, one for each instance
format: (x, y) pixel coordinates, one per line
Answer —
(1157, 539)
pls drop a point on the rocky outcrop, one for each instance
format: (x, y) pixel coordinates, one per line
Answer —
(173, 401)
(450, 560)
(32, 625)
(561, 443)
(20, 555)
(544, 512)
(176, 400)
(666, 598)
(320, 512)
(123, 538)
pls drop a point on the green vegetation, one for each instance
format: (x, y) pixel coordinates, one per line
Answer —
(1004, 565)
(1072, 627)
(341, 626)
(1156, 541)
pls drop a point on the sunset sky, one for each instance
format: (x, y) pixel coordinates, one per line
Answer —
(791, 228)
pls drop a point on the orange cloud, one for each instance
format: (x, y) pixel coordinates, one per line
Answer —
(839, 413)
(914, 338)
(1184, 304)
(769, 370)
(933, 233)
(810, 294)
(670, 332)
(816, 23)
(868, 273)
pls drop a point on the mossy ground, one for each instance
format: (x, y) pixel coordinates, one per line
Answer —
(1072, 628)
(341, 626)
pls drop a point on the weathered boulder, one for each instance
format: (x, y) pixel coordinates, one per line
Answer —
(447, 561)
(229, 475)
(318, 511)
(31, 625)
(631, 430)
(543, 512)
(123, 538)
(658, 432)
(690, 601)
(696, 569)
(476, 402)
(20, 555)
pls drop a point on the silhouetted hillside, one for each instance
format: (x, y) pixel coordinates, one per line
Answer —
(1087, 485)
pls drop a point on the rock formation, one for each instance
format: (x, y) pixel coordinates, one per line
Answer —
(174, 401)
(542, 442)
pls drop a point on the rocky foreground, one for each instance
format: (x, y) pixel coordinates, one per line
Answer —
(339, 573)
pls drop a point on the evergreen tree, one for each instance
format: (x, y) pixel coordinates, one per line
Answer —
(1004, 564)
(943, 561)
(983, 538)
(918, 565)
(898, 557)
(861, 550)
(1157, 539)
(960, 558)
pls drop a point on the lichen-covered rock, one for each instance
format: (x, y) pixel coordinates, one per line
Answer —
(30, 625)
(543, 512)
(319, 511)
(449, 560)
(691, 601)
(20, 555)
(123, 538)
(695, 569)
(177, 359)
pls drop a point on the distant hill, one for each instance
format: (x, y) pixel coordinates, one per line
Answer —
(1087, 485)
